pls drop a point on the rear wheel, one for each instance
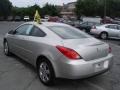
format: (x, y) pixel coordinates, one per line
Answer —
(46, 72)
(83, 30)
(104, 35)
(6, 49)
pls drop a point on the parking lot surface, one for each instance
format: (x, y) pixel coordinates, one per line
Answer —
(15, 74)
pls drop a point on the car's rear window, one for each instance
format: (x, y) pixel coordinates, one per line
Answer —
(68, 32)
(97, 24)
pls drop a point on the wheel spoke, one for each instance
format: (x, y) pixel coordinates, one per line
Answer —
(5, 48)
(44, 72)
(47, 72)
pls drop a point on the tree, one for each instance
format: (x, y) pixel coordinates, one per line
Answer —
(5, 8)
(98, 8)
(86, 7)
(48, 9)
(51, 10)
(114, 8)
(32, 10)
(28, 11)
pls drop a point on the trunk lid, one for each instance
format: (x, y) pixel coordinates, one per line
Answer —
(88, 48)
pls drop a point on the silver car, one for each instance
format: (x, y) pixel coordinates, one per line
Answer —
(58, 51)
(107, 31)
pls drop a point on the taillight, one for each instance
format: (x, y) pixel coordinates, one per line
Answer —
(110, 49)
(93, 27)
(69, 53)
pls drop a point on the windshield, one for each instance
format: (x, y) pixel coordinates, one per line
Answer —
(68, 32)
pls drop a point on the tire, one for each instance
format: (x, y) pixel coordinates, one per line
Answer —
(83, 30)
(6, 49)
(45, 72)
(104, 35)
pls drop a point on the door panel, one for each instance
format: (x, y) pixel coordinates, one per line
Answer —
(18, 40)
(118, 34)
(12, 43)
(23, 43)
(112, 30)
(31, 44)
(17, 43)
(113, 33)
(119, 31)
(30, 47)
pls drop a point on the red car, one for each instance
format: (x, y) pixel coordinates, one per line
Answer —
(107, 20)
(53, 19)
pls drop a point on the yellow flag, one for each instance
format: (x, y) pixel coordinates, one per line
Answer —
(37, 17)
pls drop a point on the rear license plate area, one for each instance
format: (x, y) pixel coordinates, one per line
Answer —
(101, 66)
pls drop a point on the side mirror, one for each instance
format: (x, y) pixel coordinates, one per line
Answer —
(12, 32)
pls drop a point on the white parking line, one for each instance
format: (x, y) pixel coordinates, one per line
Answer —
(94, 85)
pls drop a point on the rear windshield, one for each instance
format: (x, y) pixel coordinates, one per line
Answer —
(97, 24)
(68, 32)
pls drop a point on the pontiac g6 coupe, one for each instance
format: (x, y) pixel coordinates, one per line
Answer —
(58, 51)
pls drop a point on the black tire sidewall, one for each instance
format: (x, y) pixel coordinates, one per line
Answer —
(52, 74)
(8, 53)
(102, 34)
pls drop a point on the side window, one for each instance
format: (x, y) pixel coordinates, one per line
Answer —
(24, 29)
(111, 26)
(85, 24)
(90, 24)
(37, 32)
(118, 27)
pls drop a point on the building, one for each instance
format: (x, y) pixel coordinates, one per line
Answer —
(68, 10)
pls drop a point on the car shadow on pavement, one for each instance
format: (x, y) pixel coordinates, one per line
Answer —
(24, 63)
(114, 39)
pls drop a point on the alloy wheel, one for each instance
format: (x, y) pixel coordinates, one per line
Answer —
(104, 35)
(6, 50)
(44, 72)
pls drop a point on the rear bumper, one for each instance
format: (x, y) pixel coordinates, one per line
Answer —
(95, 32)
(81, 68)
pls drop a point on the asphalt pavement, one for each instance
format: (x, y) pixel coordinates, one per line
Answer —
(16, 74)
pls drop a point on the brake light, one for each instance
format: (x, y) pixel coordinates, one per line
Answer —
(93, 27)
(110, 49)
(71, 54)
